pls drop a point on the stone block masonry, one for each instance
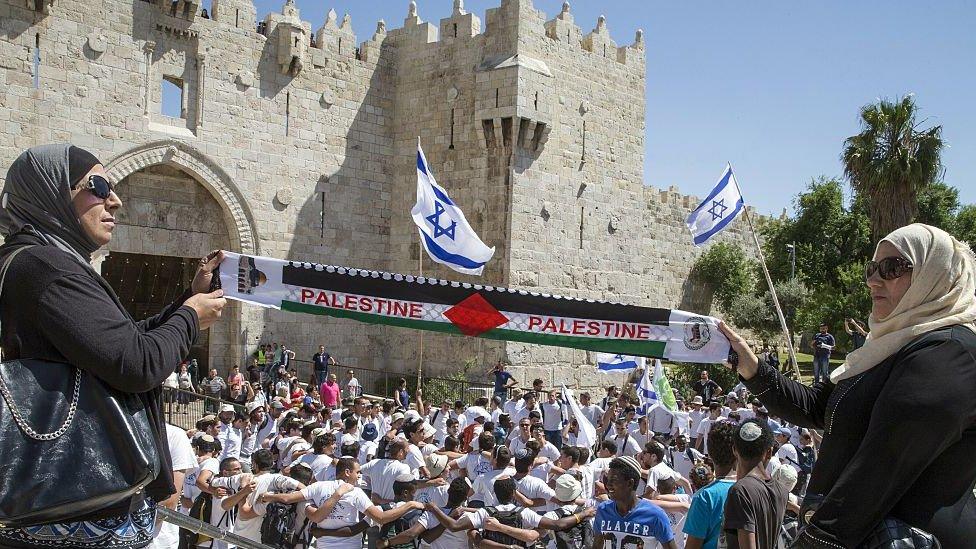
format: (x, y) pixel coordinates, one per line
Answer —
(297, 141)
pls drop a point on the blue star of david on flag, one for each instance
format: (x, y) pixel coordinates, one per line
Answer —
(460, 249)
(719, 208)
(435, 220)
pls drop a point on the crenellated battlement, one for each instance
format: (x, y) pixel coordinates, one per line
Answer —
(506, 27)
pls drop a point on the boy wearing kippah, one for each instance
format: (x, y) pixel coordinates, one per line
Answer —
(756, 503)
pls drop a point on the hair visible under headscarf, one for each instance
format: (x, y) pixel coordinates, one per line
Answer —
(37, 193)
(942, 293)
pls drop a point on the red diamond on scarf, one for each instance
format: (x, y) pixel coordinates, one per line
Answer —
(475, 316)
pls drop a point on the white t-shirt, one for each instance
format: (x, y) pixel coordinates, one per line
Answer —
(367, 450)
(530, 519)
(552, 416)
(230, 441)
(677, 519)
(474, 464)
(681, 462)
(438, 420)
(696, 417)
(587, 482)
(318, 463)
(516, 444)
(512, 407)
(660, 420)
(449, 539)
(549, 451)
(705, 427)
(536, 488)
(353, 388)
(348, 512)
(598, 466)
(432, 494)
(190, 489)
(542, 470)
(168, 534)
(268, 482)
(266, 432)
(626, 445)
(218, 516)
(593, 413)
(788, 456)
(484, 485)
(659, 471)
(641, 438)
(415, 459)
(380, 474)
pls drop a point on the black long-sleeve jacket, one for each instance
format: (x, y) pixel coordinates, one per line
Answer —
(54, 308)
(899, 440)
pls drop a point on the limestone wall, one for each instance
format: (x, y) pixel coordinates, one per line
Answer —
(305, 138)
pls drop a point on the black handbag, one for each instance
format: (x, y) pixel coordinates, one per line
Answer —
(890, 533)
(70, 445)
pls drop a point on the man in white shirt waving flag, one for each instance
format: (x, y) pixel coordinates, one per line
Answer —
(444, 232)
(718, 209)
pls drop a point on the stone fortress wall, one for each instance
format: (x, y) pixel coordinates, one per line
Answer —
(304, 140)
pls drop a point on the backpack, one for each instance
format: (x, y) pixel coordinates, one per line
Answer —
(398, 526)
(574, 537)
(278, 526)
(511, 518)
(467, 435)
(200, 510)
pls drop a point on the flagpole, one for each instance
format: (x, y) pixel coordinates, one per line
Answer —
(420, 260)
(772, 290)
(420, 364)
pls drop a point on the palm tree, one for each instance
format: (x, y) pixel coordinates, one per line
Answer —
(891, 160)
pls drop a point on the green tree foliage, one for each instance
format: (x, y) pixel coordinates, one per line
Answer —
(681, 376)
(938, 205)
(726, 270)
(832, 242)
(965, 224)
(891, 161)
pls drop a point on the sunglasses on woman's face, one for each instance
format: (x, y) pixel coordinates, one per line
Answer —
(98, 186)
(888, 268)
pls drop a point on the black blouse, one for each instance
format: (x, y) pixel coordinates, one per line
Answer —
(53, 308)
(899, 439)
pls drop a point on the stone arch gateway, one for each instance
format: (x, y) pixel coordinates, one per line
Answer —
(240, 220)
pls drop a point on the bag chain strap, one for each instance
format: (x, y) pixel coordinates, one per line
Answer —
(26, 428)
(8, 397)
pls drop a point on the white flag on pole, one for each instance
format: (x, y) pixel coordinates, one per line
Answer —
(586, 438)
(444, 232)
(718, 209)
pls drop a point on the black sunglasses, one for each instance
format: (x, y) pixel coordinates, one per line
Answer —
(889, 268)
(97, 185)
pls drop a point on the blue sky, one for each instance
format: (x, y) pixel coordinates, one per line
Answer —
(774, 87)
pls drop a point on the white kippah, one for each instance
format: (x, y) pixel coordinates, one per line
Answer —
(750, 431)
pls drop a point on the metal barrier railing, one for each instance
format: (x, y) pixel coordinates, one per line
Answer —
(183, 408)
(207, 529)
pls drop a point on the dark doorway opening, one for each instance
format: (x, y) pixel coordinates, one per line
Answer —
(147, 283)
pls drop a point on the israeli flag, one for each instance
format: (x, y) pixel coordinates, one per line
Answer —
(608, 363)
(717, 210)
(445, 233)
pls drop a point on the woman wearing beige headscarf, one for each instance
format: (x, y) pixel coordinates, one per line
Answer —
(899, 416)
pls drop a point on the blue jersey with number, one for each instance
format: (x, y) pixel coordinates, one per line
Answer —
(643, 526)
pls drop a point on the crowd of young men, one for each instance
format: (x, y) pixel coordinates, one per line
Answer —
(499, 473)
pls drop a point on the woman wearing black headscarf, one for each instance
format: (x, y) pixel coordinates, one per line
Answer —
(55, 307)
